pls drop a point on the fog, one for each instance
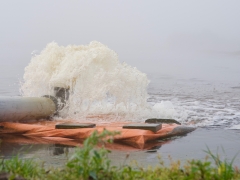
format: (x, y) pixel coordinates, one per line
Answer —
(189, 39)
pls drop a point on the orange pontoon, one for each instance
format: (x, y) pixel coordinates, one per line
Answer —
(45, 132)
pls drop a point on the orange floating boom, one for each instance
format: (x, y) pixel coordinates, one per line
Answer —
(134, 137)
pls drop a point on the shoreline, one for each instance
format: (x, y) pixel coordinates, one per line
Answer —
(191, 146)
(183, 148)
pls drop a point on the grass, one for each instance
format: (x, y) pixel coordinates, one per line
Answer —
(93, 163)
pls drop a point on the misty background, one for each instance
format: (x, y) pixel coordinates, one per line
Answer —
(183, 39)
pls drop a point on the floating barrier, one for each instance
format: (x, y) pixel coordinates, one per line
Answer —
(137, 138)
(25, 109)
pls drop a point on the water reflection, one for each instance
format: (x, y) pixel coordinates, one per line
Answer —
(179, 148)
(24, 146)
(59, 149)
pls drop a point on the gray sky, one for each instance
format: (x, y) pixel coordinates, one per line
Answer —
(189, 38)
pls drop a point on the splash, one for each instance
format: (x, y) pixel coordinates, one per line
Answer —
(98, 83)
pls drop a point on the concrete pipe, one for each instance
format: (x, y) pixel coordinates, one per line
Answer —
(27, 108)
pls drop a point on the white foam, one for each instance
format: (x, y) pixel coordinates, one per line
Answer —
(98, 82)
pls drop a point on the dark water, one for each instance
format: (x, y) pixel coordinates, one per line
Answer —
(192, 146)
(222, 142)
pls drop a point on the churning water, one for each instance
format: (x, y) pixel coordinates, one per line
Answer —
(99, 84)
(198, 102)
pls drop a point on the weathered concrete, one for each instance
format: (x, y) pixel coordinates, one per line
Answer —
(151, 127)
(166, 121)
(74, 125)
